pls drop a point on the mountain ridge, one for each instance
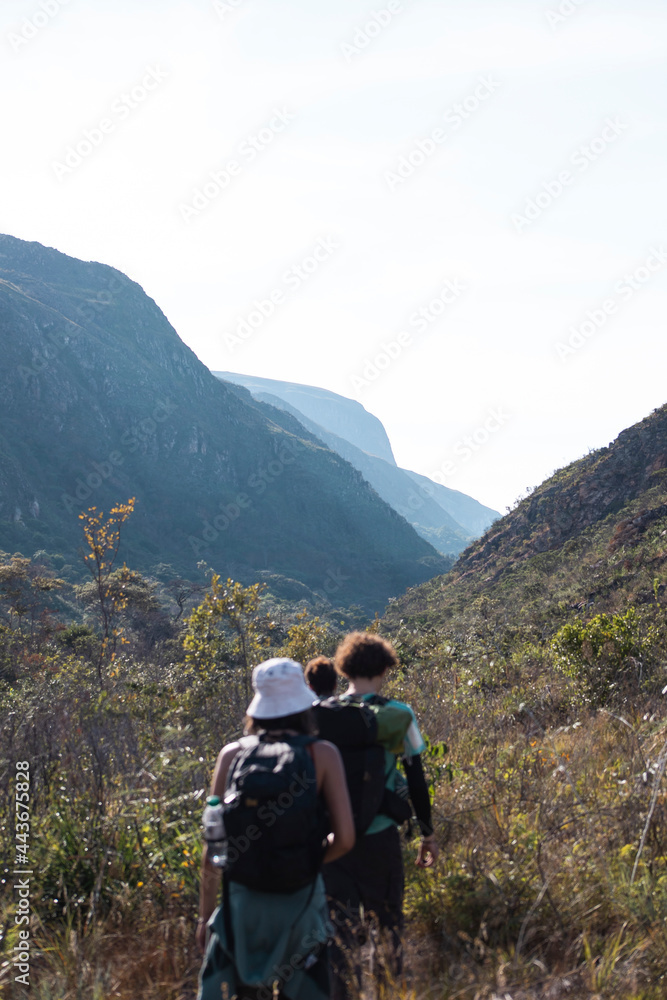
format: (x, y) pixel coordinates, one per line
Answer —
(345, 417)
(590, 537)
(101, 400)
(428, 506)
(389, 482)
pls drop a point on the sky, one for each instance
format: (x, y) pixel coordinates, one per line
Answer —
(452, 211)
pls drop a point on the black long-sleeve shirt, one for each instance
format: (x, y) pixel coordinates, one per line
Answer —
(418, 792)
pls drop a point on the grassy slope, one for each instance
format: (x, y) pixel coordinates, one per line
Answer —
(589, 539)
(552, 791)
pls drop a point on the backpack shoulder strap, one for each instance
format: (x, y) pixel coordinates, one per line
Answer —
(377, 699)
(246, 742)
(362, 699)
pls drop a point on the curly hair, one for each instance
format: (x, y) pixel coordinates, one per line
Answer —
(363, 654)
(321, 676)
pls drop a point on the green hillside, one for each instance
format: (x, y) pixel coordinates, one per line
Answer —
(537, 667)
(591, 539)
(100, 401)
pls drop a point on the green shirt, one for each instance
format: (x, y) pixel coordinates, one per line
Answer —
(413, 744)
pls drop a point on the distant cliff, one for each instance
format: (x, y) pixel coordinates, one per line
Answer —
(449, 520)
(100, 400)
(344, 417)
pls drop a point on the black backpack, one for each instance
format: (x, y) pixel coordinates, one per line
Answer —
(352, 726)
(274, 820)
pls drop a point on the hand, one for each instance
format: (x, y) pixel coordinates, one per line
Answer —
(200, 935)
(428, 852)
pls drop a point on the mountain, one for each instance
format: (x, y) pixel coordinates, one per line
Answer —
(392, 484)
(346, 418)
(100, 400)
(444, 517)
(591, 538)
(473, 516)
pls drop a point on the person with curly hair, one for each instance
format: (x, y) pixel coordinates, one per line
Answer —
(321, 676)
(365, 886)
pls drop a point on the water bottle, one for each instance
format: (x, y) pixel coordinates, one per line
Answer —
(214, 832)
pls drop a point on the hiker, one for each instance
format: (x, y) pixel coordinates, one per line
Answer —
(273, 922)
(321, 676)
(368, 881)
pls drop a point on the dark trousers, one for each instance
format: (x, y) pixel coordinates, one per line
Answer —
(365, 892)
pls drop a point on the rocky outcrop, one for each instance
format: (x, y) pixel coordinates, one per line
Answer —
(576, 497)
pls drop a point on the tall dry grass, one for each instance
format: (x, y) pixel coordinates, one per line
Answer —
(552, 817)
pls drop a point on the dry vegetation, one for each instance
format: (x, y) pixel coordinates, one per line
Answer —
(553, 881)
(547, 751)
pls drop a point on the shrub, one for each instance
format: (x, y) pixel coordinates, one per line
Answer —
(605, 653)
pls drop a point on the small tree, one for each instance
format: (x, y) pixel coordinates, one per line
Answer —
(235, 607)
(307, 638)
(602, 652)
(23, 586)
(135, 605)
(181, 591)
(103, 541)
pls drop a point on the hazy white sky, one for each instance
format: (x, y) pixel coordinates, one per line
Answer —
(372, 160)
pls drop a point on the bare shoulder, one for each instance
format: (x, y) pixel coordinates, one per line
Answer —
(228, 752)
(222, 765)
(325, 752)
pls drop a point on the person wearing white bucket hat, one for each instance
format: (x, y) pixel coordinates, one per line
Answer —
(287, 811)
(280, 690)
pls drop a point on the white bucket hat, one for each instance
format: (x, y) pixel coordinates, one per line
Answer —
(280, 689)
